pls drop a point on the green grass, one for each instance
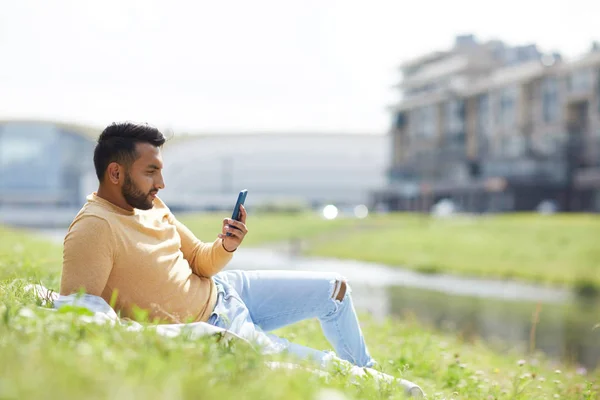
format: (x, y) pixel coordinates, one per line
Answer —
(23, 255)
(55, 355)
(559, 249)
(556, 249)
(268, 228)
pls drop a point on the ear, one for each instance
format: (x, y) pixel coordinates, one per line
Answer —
(114, 173)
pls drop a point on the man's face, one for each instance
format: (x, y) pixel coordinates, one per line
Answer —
(143, 179)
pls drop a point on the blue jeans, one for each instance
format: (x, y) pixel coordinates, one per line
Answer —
(252, 303)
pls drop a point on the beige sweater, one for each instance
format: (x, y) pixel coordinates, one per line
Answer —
(147, 258)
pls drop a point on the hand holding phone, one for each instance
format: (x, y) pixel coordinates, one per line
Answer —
(236, 215)
(240, 202)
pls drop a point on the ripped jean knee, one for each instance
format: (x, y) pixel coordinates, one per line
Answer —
(338, 288)
(338, 291)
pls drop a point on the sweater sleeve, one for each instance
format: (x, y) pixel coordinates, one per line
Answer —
(205, 259)
(87, 256)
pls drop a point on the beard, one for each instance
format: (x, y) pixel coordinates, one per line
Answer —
(135, 197)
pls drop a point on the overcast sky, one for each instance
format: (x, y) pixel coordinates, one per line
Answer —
(271, 65)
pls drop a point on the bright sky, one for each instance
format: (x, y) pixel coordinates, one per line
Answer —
(248, 65)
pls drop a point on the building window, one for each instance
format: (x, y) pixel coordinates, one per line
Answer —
(400, 120)
(426, 122)
(598, 89)
(75, 155)
(514, 146)
(484, 123)
(508, 107)
(550, 100)
(28, 157)
(581, 81)
(548, 144)
(41, 161)
(483, 116)
(455, 118)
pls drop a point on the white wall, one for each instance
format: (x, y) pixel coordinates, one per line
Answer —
(210, 170)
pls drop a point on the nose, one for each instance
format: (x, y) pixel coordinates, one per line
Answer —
(161, 182)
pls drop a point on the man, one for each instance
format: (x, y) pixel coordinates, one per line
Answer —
(127, 247)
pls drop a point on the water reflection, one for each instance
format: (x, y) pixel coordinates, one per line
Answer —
(564, 331)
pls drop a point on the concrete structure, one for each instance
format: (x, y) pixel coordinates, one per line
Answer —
(46, 170)
(496, 128)
(44, 163)
(310, 169)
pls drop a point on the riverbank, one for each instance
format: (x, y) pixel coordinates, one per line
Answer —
(545, 249)
(55, 356)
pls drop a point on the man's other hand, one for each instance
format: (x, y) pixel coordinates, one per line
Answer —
(236, 229)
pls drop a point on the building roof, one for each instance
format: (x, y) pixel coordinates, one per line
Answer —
(426, 58)
(87, 131)
(587, 60)
(420, 101)
(498, 77)
(430, 73)
(506, 76)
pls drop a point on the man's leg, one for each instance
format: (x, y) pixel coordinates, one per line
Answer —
(279, 298)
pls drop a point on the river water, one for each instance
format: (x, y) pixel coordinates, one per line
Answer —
(500, 312)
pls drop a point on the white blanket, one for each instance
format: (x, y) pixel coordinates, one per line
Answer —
(103, 313)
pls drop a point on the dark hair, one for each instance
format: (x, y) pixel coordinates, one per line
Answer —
(117, 143)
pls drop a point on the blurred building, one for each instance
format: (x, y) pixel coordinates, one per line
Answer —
(44, 167)
(46, 170)
(300, 169)
(496, 128)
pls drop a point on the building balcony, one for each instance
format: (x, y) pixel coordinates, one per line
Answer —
(526, 170)
(522, 163)
(431, 165)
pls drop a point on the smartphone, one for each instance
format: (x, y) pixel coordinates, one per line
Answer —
(236, 210)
